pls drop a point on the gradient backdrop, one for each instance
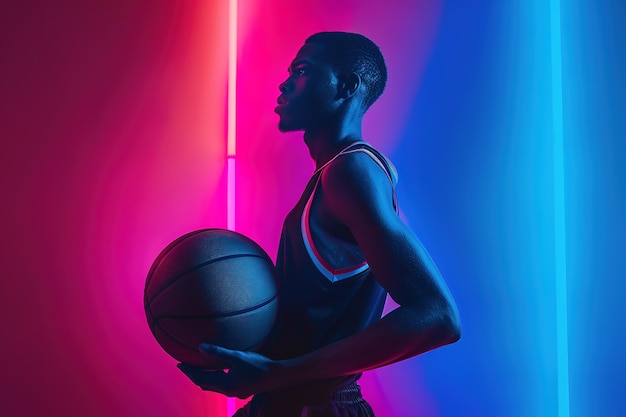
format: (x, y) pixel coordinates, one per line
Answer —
(112, 144)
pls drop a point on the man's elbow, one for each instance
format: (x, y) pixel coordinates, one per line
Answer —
(445, 325)
(451, 326)
(454, 332)
(439, 324)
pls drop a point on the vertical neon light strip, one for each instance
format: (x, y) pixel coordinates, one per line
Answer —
(231, 147)
(559, 212)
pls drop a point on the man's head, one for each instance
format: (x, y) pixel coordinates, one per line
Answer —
(333, 73)
(353, 53)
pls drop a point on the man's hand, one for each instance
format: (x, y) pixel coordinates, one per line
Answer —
(247, 373)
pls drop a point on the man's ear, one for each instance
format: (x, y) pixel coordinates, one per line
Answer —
(350, 85)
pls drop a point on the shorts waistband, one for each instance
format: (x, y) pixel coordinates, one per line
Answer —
(348, 394)
(350, 391)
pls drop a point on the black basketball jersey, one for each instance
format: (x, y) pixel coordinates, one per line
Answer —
(327, 290)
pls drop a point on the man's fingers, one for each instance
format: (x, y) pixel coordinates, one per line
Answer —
(207, 380)
(194, 373)
(222, 358)
(213, 350)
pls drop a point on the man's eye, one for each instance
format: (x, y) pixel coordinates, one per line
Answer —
(300, 71)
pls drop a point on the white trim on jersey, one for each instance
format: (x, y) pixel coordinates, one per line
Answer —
(332, 274)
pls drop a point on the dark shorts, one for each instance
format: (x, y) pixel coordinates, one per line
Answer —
(345, 402)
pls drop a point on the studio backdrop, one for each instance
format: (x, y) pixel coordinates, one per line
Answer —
(505, 121)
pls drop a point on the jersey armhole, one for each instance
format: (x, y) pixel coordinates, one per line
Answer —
(327, 270)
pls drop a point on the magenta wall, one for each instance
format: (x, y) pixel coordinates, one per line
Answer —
(112, 125)
(113, 133)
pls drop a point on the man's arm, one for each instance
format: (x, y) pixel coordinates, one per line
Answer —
(358, 194)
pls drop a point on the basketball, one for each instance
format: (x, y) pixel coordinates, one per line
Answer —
(211, 286)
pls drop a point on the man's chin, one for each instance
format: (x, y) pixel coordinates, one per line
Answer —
(286, 127)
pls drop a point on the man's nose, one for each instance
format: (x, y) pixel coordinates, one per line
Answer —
(284, 87)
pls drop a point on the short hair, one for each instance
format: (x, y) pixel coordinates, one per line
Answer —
(354, 53)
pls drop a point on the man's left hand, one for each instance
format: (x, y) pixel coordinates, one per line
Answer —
(247, 373)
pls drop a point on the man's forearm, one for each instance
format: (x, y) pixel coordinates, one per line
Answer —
(399, 335)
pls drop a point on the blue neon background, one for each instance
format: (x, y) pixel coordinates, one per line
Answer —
(494, 183)
(481, 199)
(595, 157)
(485, 204)
(112, 144)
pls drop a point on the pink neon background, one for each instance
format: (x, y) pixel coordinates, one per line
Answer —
(114, 120)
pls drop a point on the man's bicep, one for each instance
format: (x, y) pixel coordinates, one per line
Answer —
(361, 199)
(401, 263)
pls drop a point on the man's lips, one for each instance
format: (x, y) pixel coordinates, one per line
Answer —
(282, 103)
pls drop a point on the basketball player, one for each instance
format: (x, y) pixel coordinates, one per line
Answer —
(343, 248)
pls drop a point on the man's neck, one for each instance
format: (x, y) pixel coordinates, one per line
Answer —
(325, 144)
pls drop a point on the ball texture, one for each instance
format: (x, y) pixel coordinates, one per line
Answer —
(211, 286)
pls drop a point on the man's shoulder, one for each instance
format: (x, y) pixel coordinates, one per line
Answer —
(356, 178)
(360, 165)
(351, 167)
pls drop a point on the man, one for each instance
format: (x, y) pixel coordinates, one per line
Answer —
(343, 248)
